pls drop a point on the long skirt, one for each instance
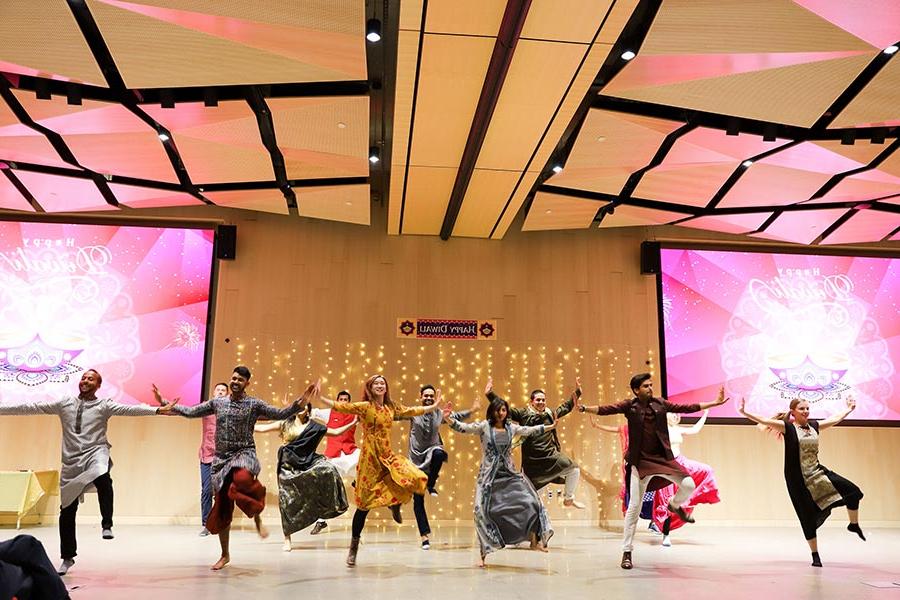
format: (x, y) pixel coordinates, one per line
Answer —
(706, 492)
(305, 496)
(508, 511)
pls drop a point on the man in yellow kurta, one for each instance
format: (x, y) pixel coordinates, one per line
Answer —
(383, 478)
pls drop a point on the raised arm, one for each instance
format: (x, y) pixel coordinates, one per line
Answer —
(567, 406)
(773, 424)
(606, 428)
(605, 409)
(838, 417)
(527, 430)
(31, 408)
(476, 427)
(267, 427)
(339, 430)
(407, 412)
(696, 427)
(717, 402)
(267, 411)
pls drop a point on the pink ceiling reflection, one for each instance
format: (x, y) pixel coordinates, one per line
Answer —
(140, 197)
(801, 226)
(728, 223)
(874, 21)
(10, 198)
(63, 194)
(864, 226)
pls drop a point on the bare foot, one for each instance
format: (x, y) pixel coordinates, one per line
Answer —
(286, 546)
(220, 563)
(260, 528)
(481, 564)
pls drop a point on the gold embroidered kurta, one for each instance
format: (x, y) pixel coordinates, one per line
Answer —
(383, 478)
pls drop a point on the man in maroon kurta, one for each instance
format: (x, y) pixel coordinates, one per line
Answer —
(650, 463)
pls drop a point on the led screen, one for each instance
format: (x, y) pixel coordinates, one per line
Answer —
(772, 327)
(131, 302)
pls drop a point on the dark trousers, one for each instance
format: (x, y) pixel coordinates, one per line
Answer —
(206, 491)
(438, 458)
(26, 572)
(421, 515)
(359, 521)
(68, 545)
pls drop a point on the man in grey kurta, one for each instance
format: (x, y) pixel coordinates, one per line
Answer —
(85, 453)
(426, 451)
(542, 459)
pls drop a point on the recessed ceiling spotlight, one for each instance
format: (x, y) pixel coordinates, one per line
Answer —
(548, 211)
(342, 125)
(374, 155)
(601, 138)
(747, 163)
(373, 30)
(348, 203)
(891, 49)
(628, 55)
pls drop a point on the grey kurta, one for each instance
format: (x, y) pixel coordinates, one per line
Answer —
(507, 507)
(235, 447)
(85, 449)
(425, 435)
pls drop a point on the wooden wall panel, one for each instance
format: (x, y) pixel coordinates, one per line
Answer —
(306, 298)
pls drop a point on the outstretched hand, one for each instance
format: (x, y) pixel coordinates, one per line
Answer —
(577, 388)
(722, 399)
(743, 405)
(851, 403)
(167, 407)
(489, 386)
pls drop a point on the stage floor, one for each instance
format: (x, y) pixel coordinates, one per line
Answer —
(705, 561)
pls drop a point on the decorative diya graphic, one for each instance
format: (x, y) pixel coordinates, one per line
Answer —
(812, 378)
(39, 360)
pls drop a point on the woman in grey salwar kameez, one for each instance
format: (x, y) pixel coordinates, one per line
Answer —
(507, 508)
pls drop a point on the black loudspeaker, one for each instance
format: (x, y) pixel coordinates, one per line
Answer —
(226, 242)
(649, 258)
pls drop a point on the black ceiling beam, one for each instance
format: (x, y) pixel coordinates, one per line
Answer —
(234, 186)
(874, 163)
(748, 126)
(635, 178)
(20, 187)
(856, 86)
(267, 135)
(563, 148)
(834, 226)
(381, 64)
(739, 172)
(504, 47)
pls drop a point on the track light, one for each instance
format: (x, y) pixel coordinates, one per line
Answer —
(733, 127)
(41, 89)
(210, 97)
(878, 135)
(628, 55)
(891, 49)
(848, 138)
(770, 132)
(166, 99)
(373, 30)
(374, 155)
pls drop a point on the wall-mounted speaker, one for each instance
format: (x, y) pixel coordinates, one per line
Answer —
(650, 258)
(226, 242)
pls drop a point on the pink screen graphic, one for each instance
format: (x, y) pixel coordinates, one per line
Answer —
(773, 327)
(130, 302)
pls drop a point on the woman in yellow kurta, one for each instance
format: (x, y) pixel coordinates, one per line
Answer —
(383, 478)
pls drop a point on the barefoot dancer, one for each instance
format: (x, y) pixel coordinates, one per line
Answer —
(235, 467)
(507, 507)
(86, 463)
(814, 490)
(382, 477)
(650, 462)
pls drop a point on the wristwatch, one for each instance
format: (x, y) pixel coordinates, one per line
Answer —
(581, 408)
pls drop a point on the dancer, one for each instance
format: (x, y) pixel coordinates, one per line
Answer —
(310, 487)
(236, 466)
(542, 461)
(507, 508)
(382, 477)
(340, 449)
(86, 463)
(650, 462)
(705, 491)
(426, 451)
(207, 454)
(814, 490)
(647, 500)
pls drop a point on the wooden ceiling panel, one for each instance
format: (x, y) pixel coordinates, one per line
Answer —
(347, 203)
(407, 55)
(427, 195)
(10, 198)
(485, 198)
(43, 39)
(149, 43)
(769, 185)
(537, 80)
(634, 216)
(864, 226)
(63, 194)
(712, 26)
(795, 95)
(694, 185)
(411, 15)
(450, 82)
(270, 201)
(571, 21)
(728, 223)
(876, 104)
(615, 23)
(519, 195)
(801, 227)
(141, 197)
(552, 211)
(322, 136)
(465, 17)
